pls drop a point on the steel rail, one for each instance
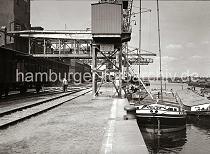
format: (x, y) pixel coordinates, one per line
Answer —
(14, 116)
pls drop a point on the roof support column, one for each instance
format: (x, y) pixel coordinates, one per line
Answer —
(78, 48)
(59, 46)
(74, 46)
(44, 46)
(64, 46)
(29, 46)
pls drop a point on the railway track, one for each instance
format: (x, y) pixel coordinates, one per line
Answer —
(33, 95)
(22, 113)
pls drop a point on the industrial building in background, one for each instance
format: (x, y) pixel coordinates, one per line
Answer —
(14, 16)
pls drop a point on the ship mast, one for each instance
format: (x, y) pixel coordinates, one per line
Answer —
(139, 51)
(159, 46)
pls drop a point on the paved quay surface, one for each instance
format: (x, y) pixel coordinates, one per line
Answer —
(122, 136)
(80, 126)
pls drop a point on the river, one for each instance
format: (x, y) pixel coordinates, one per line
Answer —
(195, 139)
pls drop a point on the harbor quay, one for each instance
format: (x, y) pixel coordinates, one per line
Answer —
(104, 77)
(82, 125)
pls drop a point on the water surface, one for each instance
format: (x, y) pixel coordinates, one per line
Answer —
(195, 139)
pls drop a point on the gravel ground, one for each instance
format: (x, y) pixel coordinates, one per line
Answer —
(76, 127)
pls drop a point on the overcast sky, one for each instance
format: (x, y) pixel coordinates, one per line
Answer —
(185, 30)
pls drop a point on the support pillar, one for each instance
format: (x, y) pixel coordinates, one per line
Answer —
(127, 66)
(29, 46)
(64, 47)
(90, 53)
(44, 46)
(74, 46)
(78, 48)
(59, 46)
(94, 67)
(119, 73)
(5, 36)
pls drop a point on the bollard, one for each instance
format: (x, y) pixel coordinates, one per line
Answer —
(131, 112)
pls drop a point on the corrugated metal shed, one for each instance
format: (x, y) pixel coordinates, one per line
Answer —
(106, 18)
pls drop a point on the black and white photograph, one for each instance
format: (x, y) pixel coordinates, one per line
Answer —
(104, 76)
